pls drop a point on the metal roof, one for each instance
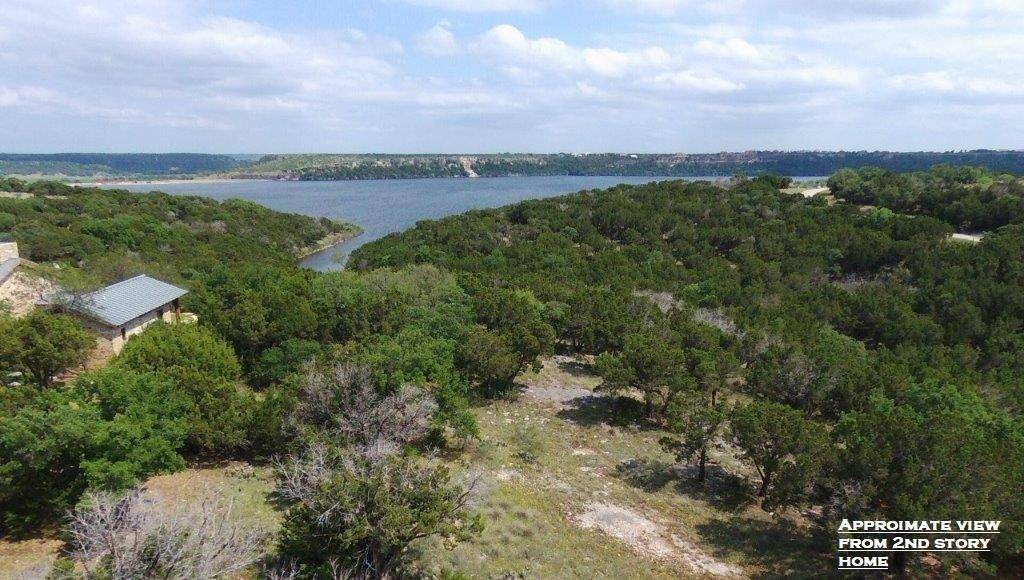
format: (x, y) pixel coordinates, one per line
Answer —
(7, 268)
(118, 303)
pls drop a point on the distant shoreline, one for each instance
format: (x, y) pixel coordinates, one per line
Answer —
(330, 240)
(439, 178)
(165, 181)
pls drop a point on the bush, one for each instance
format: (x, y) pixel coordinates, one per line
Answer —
(46, 344)
(529, 443)
(126, 536)
(275, 363)
(171, 348)
(107, 431)
(203, 368)
(361, 514)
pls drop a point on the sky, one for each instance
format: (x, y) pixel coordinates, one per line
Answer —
(406, 76)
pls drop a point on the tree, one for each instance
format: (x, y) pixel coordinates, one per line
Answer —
(10, 345)
(204, 368)
(276, 362)
(171, 349)
(932, 451)
(696, 424)
(361, 514)
(714, 369)
(489, 359)
(787, 450)
(650, 363)
(517, 317)
(822, 378)
(49, 344)
(417, 358)
(343, 404)
(106, 431)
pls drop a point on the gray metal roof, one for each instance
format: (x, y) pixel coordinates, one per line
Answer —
(118, 303)
(7, 267)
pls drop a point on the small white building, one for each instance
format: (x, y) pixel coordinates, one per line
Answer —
(122, 310)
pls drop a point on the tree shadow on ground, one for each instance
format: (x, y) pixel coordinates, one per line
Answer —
(486, 395)
(721, 489)
(649, 475)
(596, 410)
(725, 491)
(780, 547)
(576, 368)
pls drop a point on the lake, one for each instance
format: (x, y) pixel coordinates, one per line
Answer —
(381, 207)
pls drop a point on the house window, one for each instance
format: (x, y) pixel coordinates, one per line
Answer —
(124, 334)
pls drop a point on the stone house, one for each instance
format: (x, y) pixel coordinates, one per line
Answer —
(122, 310)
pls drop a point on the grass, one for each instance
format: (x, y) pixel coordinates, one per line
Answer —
(25, 558)
(584, 453)
(246, 488)
(546, 463)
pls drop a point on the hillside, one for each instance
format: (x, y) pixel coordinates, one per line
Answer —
(796, 163)
(671, 380)
(337, 167)
(113, 165)
(88, 236)
(867, 324)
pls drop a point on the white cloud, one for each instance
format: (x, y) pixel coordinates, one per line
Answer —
(951, 82)
(735, 48)
(480, 5)
(507, 43)
(662, 7)
(27, 96)
(115, 57)
(739, 70)
(438, 41)
(691, 81)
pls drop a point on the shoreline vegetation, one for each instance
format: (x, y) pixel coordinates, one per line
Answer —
(350, 231)
(123, 169)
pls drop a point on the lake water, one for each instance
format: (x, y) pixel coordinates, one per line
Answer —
(381, 207)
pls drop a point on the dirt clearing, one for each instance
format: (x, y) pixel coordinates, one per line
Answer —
(21, 291)
(650, 539)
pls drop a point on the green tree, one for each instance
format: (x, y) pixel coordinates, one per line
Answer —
(144, 423)
(932, 451)
(49, 344)
(489, 358)
(276, 362)
(415, 357)
(651, 363)
(204, 368)
(181, 348)
(106, 431)
(696, 424)
(519, 319)
(362, 514)
(787, 450)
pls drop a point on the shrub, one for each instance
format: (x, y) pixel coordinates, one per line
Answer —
(107, 431)
(529, 443)
(126, 536)
(204, 368)
(361, 514)
(48, 344)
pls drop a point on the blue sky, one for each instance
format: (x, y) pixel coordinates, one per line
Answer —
(510, 75)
